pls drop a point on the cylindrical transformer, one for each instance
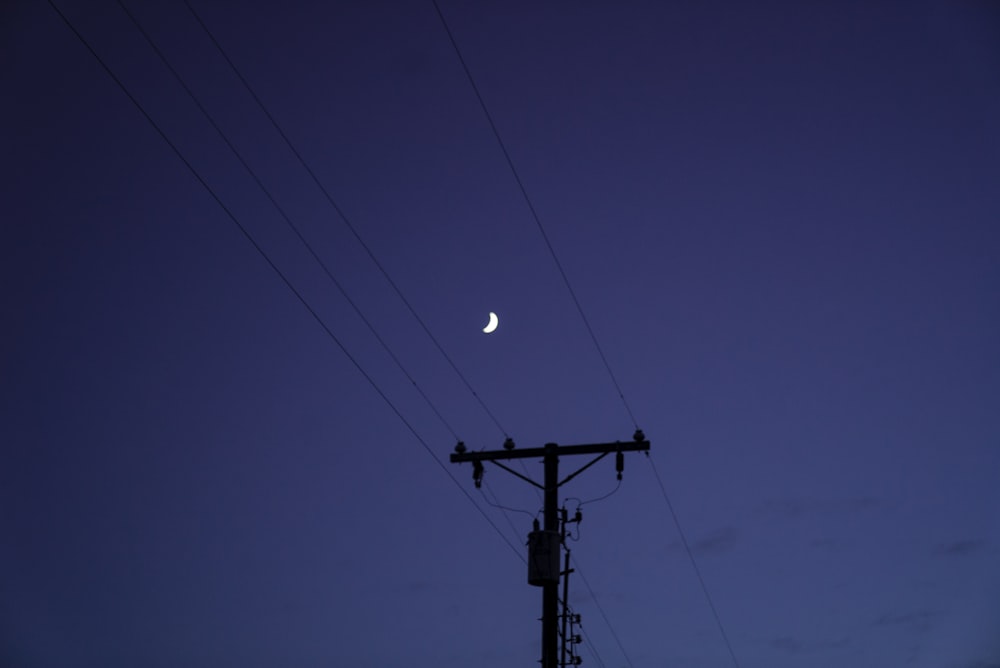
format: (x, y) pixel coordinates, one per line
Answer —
(543, 557)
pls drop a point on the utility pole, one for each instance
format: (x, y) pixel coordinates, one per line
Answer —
(544, 545)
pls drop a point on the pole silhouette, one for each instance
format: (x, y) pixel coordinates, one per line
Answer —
(545, 543)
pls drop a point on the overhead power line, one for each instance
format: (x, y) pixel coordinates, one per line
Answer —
(604, 615)
(274, 267)
(534, 213)
(343, 216)
(694, 564)
(589, 644)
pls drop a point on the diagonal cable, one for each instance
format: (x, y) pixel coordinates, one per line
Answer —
(586, 637)
(591, 646)
(343, 215)
(694, 564)
(600, 609)
(534, 214)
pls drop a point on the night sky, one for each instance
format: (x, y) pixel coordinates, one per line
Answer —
(781, 221)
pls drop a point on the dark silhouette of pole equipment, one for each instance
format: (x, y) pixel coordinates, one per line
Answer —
(545, 542)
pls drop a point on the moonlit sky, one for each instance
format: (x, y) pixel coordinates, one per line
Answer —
(781, 221)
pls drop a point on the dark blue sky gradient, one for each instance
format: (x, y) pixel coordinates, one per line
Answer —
(781, 220)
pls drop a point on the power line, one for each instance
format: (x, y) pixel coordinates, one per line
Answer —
(586, 636)
(343, 216)
(600, 609)
(534, 213)
(591, 646)
(505, 510)
(694, 564)
(281, 211)
(581, 503)
(274, 267)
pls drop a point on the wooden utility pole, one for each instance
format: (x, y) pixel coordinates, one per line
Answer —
(545, 544)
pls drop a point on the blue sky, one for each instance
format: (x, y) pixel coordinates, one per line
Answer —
(780, 220)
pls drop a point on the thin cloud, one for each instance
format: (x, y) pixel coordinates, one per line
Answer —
(962, 548)
(794, 508)
(823, 544)
(792, 646)
(918, 620)
(720, 541)
(414, 586)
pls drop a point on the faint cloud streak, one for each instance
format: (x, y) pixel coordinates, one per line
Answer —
(794, 508)
(918, 621)
(961, 548)
(719, 541)
(793, 646)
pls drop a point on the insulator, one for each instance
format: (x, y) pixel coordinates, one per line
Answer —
(460, 447)
(477, 473)
(638, 436)
(620, 463)
(576, 639)
(577, 660)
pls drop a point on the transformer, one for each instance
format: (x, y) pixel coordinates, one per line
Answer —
(543, 557)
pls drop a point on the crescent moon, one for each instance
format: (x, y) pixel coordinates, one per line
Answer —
(494, 321)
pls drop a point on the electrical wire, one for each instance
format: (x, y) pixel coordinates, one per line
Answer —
(504, 510)
(298, 295)
(581, 504)
(575, 536)
(591, 647)
(496, 504)
(600, 609)
(284, 215)
(343, 216)
(694, 563)
(586, 636)
(534, 213)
